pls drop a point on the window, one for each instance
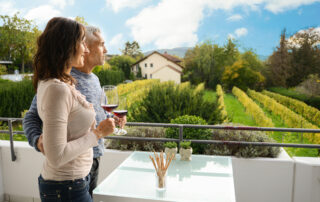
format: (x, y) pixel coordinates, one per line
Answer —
(146, 76)
(150, 76)
(151, 65)
(145, 65)
(137, 67)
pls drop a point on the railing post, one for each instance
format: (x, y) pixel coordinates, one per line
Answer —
(180, 136)
(13, 155)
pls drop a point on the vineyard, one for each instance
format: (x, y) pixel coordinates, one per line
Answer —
(265, 109)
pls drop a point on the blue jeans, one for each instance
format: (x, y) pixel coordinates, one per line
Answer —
(94, 172)
(64, 191)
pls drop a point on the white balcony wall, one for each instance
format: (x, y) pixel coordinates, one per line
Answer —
(258, 179)
(1, 177)
(19, 179)
(263, 179)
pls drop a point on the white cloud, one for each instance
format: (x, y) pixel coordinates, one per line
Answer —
(173, 23)
(277, 6)
(166, 26)
(295, 41)
(61, 3)
(71, 2)
(241, 32)
(42, 13)
(117, 5)
(231, 36)
(235, 17)
(58, 3)
(116, 43)
(7, 8)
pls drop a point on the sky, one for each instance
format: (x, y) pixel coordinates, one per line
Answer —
(159, 24)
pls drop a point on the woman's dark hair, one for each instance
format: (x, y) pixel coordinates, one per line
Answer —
(56, 45)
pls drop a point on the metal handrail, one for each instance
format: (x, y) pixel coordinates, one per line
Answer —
(181, 127)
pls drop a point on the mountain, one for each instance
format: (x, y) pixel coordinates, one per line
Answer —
(180, 52)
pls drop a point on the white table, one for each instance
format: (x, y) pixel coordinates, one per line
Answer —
(205, 178)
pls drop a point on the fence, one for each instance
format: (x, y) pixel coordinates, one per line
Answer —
(181, 127)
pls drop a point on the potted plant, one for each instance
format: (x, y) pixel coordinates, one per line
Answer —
(185, 150)
(171, 148)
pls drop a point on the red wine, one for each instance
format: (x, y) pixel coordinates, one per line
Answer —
(109, 108)
(120, 113)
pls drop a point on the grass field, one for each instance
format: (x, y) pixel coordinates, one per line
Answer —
(236, 112)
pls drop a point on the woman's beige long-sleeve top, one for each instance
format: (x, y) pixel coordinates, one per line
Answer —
(67, 137)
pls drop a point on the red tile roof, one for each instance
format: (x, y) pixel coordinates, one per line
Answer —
(165, 55)
(170, 57)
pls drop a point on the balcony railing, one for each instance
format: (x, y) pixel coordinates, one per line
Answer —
(11, 132)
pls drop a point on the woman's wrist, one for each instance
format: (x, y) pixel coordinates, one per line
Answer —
(97, 133)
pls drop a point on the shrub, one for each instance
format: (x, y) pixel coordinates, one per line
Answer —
(241, 150)
(15, 97)
(139, 145)
(185, 144)
(3, 70)
(99, 68)
(170, 145)
(242, 76)
(313, 101)
(110, 77)
(166, 101)
(191, 133)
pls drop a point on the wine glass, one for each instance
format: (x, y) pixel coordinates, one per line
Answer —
(120, 113)
(109, 99)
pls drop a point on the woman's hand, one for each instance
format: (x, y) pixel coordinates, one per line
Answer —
(105, 128)
(121, 122)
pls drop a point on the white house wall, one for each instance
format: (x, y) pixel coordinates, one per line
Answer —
(158, 62)
(167, 74)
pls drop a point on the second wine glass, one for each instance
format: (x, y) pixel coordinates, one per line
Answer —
(120, 113)
(109, 99)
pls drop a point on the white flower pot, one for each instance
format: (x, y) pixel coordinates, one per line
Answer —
(170, 151)
(185, 154)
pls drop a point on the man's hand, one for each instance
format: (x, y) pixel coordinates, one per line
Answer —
(40, 144)
(105, 127)
(121, 122)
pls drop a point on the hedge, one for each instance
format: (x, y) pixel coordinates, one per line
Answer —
(15, 97)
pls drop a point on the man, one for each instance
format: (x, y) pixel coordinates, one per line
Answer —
(88, 84)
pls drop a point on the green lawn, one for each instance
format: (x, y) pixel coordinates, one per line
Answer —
(236, 112)
(210, 96)
(287, 137)
(17, 137)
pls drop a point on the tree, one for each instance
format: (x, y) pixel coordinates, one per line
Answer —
(123, 63)
(199, 64)
(18, 39)
(231, 52)
(206, 62)
(242, 76)
(132, 49)
(305, 55)
(280, 63)
(81, 20)
(252, 59)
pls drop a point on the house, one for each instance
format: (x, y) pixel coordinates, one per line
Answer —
(159, 66)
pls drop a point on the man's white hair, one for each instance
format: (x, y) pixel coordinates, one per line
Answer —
(91, 33)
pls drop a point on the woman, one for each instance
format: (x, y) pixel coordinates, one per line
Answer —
(68, 119)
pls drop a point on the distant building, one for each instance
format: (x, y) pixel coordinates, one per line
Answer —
(5, 62)
(159, 66)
